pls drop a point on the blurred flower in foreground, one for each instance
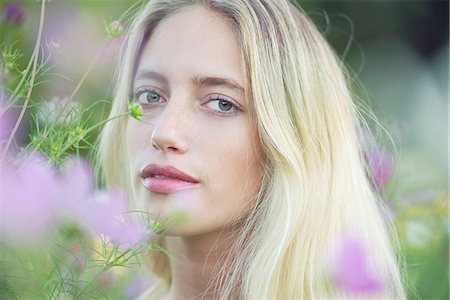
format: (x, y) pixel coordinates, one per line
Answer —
(34, 198)
(28, 200)
(109, 218)
(381, 166)
(348, 268)
(99, 211)
(14, 13)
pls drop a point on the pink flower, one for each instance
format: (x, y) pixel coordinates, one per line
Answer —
(381, 166)
(28, 200)
(110, 218)
(34, 200)
(99, 212)
(76, 184)
(349, 268)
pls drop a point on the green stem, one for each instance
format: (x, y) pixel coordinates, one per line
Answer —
(74, 140)
(14, 95)
(104, 269)
(35, 57)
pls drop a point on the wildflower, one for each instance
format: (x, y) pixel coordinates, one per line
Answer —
(100, 212)
(115, 29)
(349, 268)
(135, 110)
(14, 13)
(129, 235)
(380, 165)
(77, 185)
(108, 218)
(28, 200)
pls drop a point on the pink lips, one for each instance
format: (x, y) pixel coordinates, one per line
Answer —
(166, 179)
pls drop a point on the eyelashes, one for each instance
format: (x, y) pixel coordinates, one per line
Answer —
(149, 97)
(222, 105)
(146, 96)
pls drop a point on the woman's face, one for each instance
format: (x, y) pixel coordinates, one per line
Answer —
(196, 150)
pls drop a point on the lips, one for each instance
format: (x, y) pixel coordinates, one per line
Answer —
(166, 179)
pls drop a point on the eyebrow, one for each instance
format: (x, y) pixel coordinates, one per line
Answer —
(197, 80)
(216, 81)
(147, 74)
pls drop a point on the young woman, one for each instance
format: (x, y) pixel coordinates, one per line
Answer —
(250, 131)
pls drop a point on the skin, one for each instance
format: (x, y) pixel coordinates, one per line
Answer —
(184, 128)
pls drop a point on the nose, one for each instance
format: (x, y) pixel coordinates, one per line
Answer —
(169, 132)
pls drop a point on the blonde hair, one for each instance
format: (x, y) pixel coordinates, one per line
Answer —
(314, 187)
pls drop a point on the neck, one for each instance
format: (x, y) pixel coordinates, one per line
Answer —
(197, 261)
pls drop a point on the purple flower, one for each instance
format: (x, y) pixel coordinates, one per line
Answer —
(28, 200)
(14, 13)
(77, 185)
(108, 217)
(381, 166)
(349, 269)
(99, 212)
(34, 199)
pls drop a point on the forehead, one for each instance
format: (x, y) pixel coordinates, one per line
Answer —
(194, 41)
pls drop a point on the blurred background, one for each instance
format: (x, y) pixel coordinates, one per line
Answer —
(396, 52)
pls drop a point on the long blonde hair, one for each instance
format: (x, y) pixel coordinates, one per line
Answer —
(315, 187)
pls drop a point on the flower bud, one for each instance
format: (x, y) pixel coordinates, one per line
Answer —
(115, 29)
(14, 13)
(135, 111)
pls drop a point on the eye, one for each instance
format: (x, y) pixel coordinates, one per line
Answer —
(147, 95)
(224, 105)
(220, 105)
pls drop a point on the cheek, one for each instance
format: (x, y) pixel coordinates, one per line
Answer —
(137, 136)
(236, 170)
